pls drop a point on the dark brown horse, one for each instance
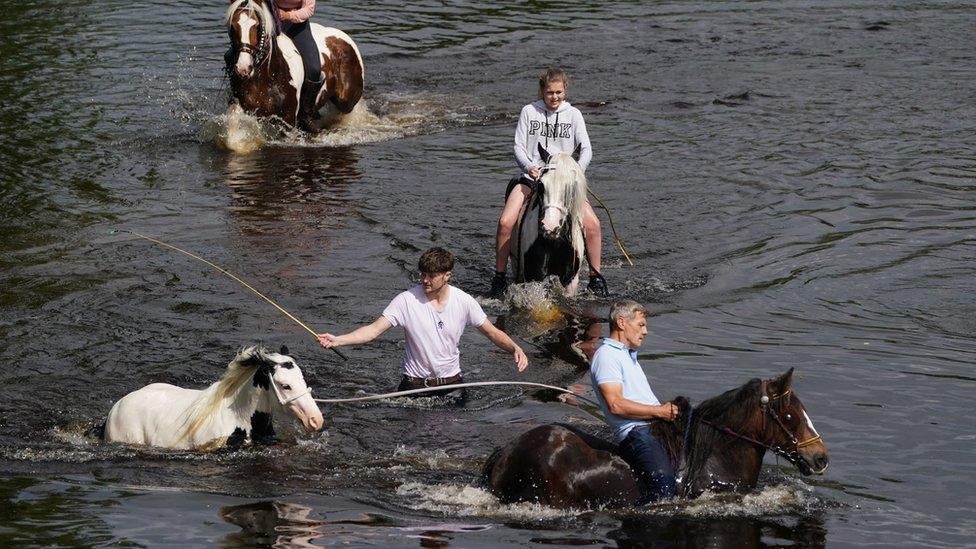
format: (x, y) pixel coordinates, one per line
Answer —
(727, 437)
(266, 71)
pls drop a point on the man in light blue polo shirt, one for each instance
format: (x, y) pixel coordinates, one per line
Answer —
(628, 401)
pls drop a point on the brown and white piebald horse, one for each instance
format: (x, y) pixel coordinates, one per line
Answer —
(266, 71)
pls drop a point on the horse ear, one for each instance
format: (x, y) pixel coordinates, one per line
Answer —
(576, 151)
(283, 350)
(543, 153)
(783, 382)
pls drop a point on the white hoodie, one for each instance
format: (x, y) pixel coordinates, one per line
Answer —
(558, 131)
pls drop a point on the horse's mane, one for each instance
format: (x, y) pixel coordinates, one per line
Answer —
(565, 183)
(723, 409)
(239, 373)
(267, 19)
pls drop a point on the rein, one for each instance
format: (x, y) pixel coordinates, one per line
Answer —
(791, 455)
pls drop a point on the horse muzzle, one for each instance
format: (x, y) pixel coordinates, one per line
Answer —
(814, 461)
(245, 65)
(308, 414)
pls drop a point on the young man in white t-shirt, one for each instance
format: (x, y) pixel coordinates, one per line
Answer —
(433, 315)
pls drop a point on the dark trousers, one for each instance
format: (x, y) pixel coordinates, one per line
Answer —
(301, 35)
(650, 463)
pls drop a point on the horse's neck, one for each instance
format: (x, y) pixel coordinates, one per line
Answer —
(238, 407)
(718, 461)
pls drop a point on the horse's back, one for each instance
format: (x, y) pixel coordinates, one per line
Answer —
(148, 415)
(557, 466)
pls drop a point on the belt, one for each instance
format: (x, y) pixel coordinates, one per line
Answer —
(433, 381)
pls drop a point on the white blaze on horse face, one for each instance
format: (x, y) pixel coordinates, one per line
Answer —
(244, 60)
(552, 219)
(810, 424)
(291, 384)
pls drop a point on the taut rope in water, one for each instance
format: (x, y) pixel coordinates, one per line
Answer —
(235, 277)
(452, 387)
(620, 244)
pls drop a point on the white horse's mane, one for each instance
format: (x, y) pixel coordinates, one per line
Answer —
(267, 19)
(236, 378)
(565, 185)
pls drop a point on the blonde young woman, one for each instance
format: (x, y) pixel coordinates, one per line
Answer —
(558, 127)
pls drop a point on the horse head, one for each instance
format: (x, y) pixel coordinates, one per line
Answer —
(282, 380)
(562, 189)
(789, 431)
(251, 28)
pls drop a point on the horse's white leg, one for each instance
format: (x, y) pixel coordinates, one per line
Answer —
(572, 286)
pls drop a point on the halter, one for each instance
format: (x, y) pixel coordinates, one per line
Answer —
(790, 453)
(281, 399)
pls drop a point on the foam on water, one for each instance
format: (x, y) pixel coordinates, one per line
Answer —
(465, 500)
(791, 497)
(399, 116)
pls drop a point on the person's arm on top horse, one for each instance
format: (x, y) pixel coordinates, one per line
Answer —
(295, 11)
(620, 406)
(583, 140)
(523, 156)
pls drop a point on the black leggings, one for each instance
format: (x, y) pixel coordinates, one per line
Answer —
(301, 35)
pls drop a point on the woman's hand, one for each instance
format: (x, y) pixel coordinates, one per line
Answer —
(535, 172)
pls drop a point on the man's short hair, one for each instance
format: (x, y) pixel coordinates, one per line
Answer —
(626, 309)
(436, 260)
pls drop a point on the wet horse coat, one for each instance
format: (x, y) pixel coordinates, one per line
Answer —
(266, 72)
(727, 437)
(257, 386)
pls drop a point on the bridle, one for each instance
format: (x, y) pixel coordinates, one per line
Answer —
(790, 452)
(260, 53)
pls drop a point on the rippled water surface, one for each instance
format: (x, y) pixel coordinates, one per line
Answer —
(795, 181)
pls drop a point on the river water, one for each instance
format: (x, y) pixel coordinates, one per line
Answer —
(794, 180)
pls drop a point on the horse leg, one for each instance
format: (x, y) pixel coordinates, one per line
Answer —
(346, 71)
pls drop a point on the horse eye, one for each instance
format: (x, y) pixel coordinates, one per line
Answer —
(288, 388)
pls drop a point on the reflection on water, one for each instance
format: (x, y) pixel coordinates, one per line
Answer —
(284, 524)
(731, 533)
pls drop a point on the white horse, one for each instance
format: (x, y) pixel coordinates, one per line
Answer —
(258, 386)
(549, 235)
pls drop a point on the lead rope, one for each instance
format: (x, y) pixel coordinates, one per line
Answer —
(452, 387)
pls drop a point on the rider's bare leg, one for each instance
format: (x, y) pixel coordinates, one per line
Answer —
(593, 237)
(503, 236)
